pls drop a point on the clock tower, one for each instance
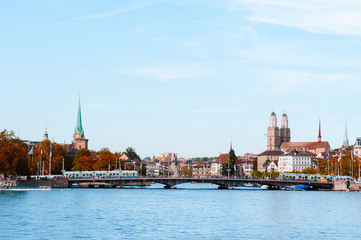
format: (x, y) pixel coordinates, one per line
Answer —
(79, 140)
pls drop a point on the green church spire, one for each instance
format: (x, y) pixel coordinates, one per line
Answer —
(345, 140)
(79, 125)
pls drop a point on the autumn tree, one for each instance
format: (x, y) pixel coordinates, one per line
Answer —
(309, 170)
(13, 155)
(106, 160)
(186, 170)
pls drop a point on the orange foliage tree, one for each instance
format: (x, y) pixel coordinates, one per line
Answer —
(106, 160)
(13, 155)
(41, 157)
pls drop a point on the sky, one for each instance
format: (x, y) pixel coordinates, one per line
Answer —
(180, 76)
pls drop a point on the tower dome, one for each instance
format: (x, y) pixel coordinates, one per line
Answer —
(273, 120)
(284, 121)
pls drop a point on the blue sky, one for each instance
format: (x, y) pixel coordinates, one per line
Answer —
(180, 76)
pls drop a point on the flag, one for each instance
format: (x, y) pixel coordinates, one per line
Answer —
(339, 158)
(31, 152)
(50, 152)
(328, 157)
(335, 158)
(351, 155)
(40, 150)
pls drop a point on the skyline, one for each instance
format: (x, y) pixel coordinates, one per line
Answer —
(164, 76)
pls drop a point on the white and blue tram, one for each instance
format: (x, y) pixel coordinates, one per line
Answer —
(313, 177)
(101, 174)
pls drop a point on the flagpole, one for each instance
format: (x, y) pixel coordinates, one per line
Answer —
(50, 155)
(50, 165)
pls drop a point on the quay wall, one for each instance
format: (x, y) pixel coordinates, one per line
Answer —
(55, 183)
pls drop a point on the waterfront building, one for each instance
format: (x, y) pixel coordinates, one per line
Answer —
(215, 169)
(124, 157)
(272, 155)
(245, 163)
(357, 147)
(296, 161)
(276, 136)
(79, 140)
(153, 168)
(201, 169)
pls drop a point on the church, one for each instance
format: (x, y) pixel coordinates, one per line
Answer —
(279, 143)
(79, 140)
(276, 136)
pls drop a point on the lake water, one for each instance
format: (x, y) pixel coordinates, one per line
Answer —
(199, 211)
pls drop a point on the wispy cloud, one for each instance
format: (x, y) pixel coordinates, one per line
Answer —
(164, 73)
(115, 12)
(317, 16)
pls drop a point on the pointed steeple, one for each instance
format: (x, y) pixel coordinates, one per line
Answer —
(345, 140)
(319, 131)
(79, 126)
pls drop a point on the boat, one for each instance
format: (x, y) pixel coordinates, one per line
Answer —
(298, 188)
(24, 189)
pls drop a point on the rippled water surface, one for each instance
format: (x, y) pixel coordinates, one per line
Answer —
(190, 212)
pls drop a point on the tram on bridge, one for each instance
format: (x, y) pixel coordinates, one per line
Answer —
(100, 174)
(313, 177)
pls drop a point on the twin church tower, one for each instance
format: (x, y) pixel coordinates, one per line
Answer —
(276, 136)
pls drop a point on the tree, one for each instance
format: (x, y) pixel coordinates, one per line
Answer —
(256, 174)
(309, 170)
(143, 171)
(13, 155)
(232, 164)
(266, 164)
(80, 160)
(255, 166)
(130, 152)
(106, 160)
(86, 163)
(186, 170)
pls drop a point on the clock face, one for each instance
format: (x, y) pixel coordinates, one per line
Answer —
(77, 135)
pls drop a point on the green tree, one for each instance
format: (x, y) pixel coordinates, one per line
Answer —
(232, 164)
(266, 164)
(130, 152)
(142, 171)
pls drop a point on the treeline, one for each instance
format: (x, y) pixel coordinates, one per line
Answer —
(17, 159)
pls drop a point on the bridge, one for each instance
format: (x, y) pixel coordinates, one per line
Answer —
(223, 183)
